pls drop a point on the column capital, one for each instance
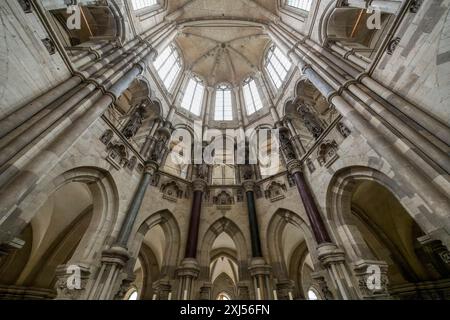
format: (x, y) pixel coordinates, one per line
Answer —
(249, 185)
(116, 255)
(329, 253)
(151, 167)
(258, 266)
(199, 185)
(294, 166)
(189, 267)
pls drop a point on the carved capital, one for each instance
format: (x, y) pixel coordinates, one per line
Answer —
(294, 166)
(329, 253)
(258, 266)
(151, 167)
(199, 185)
(249, 185)
(189, 268)
(116, 255)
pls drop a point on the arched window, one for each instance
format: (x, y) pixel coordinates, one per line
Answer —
(132, 294)
(223, 296)
(224, 107)
(312, 295)
(140, 4)
(193, 96)
(300, 4)
(168, 66)
(252, 98)
(278, 66)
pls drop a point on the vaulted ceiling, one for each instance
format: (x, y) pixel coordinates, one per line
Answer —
(223, 40)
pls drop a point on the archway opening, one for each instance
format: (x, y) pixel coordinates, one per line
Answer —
(51, 239)
(391, 235)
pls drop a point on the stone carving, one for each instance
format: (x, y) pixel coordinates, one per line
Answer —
(49, 45)
(258, 192)
(290, 180)
(26, 5)
(155, 180)
(117, 155)
(107, 137)
(343, 129)
(286, 145)
(202, 171)
(312, 123)
(223, 198)
(310, 165)
(239, 195)
(132, 163)
(247, 172)
(134, 123)
(327, 153)
(393, 45)
(158, 150)
(275, 191)
(171, 191)
(321, 283)
(415, 5)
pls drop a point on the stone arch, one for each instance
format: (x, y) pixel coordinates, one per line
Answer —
(234, 232)
(166, 220)
(338, 201)
(74, 240)
(386, 231)
(280, 219)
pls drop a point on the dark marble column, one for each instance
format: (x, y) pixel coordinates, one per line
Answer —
(199, 186)
(294, 167)
(317, 224)
(252, 219)
(136, 203)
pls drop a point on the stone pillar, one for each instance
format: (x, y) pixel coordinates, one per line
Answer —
(260, 272)
(243, 290)
(331, 257)
(199, 186)
(249, 186)
(333, 260)
(206, 291)
(285, 289)
(189, 270)
(318, 226)
(162, 289)
(151, 168)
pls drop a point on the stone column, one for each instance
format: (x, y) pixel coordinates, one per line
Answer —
(189, 270)
(151, 167)
(249, 186)
(331, 257)
(115, 258)
(318, 226)
(259, 270)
